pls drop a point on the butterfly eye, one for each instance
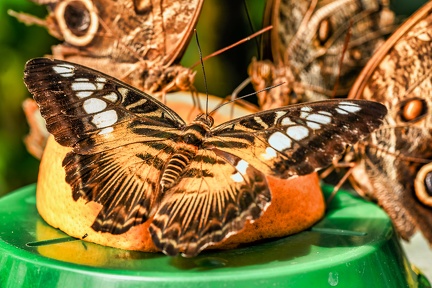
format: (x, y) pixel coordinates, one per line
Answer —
(412, 110)
(78, 21)
(423, 184)
(324, 31)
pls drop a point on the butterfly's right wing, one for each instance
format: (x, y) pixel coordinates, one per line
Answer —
(120, 138)
(297, 139)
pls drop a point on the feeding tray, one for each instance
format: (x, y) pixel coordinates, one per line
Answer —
(353, 243)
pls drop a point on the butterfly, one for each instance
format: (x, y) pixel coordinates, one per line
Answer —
(394, 164)
(317, 47)
(138, 41)
(198, 183)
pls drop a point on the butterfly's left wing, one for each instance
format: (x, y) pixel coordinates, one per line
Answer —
(120, 138)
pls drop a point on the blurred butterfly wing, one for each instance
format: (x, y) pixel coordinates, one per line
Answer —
(386, 173)
(318, 48)
(124, 30)
(120, 138)
(393, 155)
(215, 196)
(140, 42)
(321, 45)
(297, 139)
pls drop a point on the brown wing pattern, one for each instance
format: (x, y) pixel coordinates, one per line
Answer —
(138, 159)
(307, 47)
(120, 138)
(140, 42)
(297, 139)
(214, 198)
(393, 156)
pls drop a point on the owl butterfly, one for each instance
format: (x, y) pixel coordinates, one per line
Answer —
(305, 48)
(394, 164)
(140, 42)
(198, 183)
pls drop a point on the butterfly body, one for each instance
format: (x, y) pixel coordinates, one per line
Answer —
(197, 183)
(399, 154)
(317, 48)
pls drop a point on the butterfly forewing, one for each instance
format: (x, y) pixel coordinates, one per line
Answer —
(297, 139)
(138, 159)
(83, 107)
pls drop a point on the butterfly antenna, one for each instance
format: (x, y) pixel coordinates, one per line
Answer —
(220, 51)
(203, 70)
(257, 41)
(344, 49)
(244, 96)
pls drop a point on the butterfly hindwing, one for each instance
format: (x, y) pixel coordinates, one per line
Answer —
(215, 196)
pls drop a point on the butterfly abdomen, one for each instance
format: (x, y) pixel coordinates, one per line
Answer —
(175, 166)
(189, 142)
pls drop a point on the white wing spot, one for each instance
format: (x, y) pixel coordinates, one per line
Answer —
(94, 105)
(314, 121)
(237, 177)
(84, 94)
(297, 132)
(287, 121)
(349, 107)
(313, 125)
(111, 97)
(106, 130)
(100, 82)
(340, 111)
(242, 166)
(65, 70)
(105, 119)
(305, 111)
(269, 154)
(83, 84)
(279, 141)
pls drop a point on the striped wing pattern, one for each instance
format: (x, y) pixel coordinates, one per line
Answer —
(138, 158)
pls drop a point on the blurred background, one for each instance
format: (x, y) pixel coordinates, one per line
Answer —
(222, 22)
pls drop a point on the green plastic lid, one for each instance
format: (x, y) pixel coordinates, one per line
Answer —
(353, 246)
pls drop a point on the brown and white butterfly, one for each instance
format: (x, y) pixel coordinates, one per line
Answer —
(394, 164)
(306, 48)
(140, 42)
(139, 159)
